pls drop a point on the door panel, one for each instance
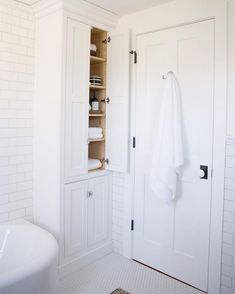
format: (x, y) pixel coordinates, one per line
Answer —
(98, 211)
(77, 97)
(175, 238)
(75, 217)
(117, 111)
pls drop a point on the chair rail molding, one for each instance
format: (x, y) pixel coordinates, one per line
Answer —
(81, 10)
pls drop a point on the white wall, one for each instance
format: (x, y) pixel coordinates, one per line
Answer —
(118, 208)
(16, 98)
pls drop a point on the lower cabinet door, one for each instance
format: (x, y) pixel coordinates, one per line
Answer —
(75, 217)
(98, 210)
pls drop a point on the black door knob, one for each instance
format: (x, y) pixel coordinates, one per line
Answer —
(204, 168)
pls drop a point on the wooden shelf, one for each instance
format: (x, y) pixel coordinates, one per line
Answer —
(95, 170)
(92, 87)
(96, 140)
(95, 59)
(96, 115)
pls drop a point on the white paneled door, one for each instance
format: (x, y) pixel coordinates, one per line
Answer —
(77, 97)
(117, 117)
(174, 238)
(76, 217)
(98, 210)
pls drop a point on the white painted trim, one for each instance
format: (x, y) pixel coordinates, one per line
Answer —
(17, 4)
(44, 8)
(220, 123)
(193, 11)
(81, 10)
(87, 176)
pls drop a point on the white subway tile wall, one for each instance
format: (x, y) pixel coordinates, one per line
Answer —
(118, 202)
(16, 112)
(228, 257)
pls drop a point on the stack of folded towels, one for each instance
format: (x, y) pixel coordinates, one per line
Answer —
(95, 133)
(94, 164)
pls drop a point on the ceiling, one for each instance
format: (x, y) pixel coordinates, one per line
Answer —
(120, 7)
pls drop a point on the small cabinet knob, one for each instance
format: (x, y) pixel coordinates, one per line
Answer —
(89, 194)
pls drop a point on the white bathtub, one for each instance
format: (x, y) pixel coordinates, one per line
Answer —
(28, 259)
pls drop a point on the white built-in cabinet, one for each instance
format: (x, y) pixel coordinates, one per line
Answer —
(71, 202)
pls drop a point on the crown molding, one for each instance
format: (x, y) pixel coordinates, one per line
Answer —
(82, 10)
(46, 7)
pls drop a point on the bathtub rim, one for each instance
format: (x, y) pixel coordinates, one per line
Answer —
(49, 257)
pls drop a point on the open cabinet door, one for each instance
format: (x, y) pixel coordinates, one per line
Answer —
(117, 106)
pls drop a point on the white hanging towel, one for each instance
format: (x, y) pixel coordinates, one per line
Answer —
(168, 151)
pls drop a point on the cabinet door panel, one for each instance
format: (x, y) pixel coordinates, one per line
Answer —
(117, 122)
(98, 211)
(77, 97)
(75, 217)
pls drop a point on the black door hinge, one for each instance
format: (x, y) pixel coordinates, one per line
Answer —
(106, 100)
(135, 55)
(108, 40)
(133, 142)
(132, 225)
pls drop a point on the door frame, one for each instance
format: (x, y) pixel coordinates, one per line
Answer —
(217, 11)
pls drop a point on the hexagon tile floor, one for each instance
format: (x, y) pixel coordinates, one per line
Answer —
(114, 271)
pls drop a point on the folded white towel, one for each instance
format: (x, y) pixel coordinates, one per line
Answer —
(95, 130)
(168, 157)
(94, 164)
(93, 47)
(95, 136)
